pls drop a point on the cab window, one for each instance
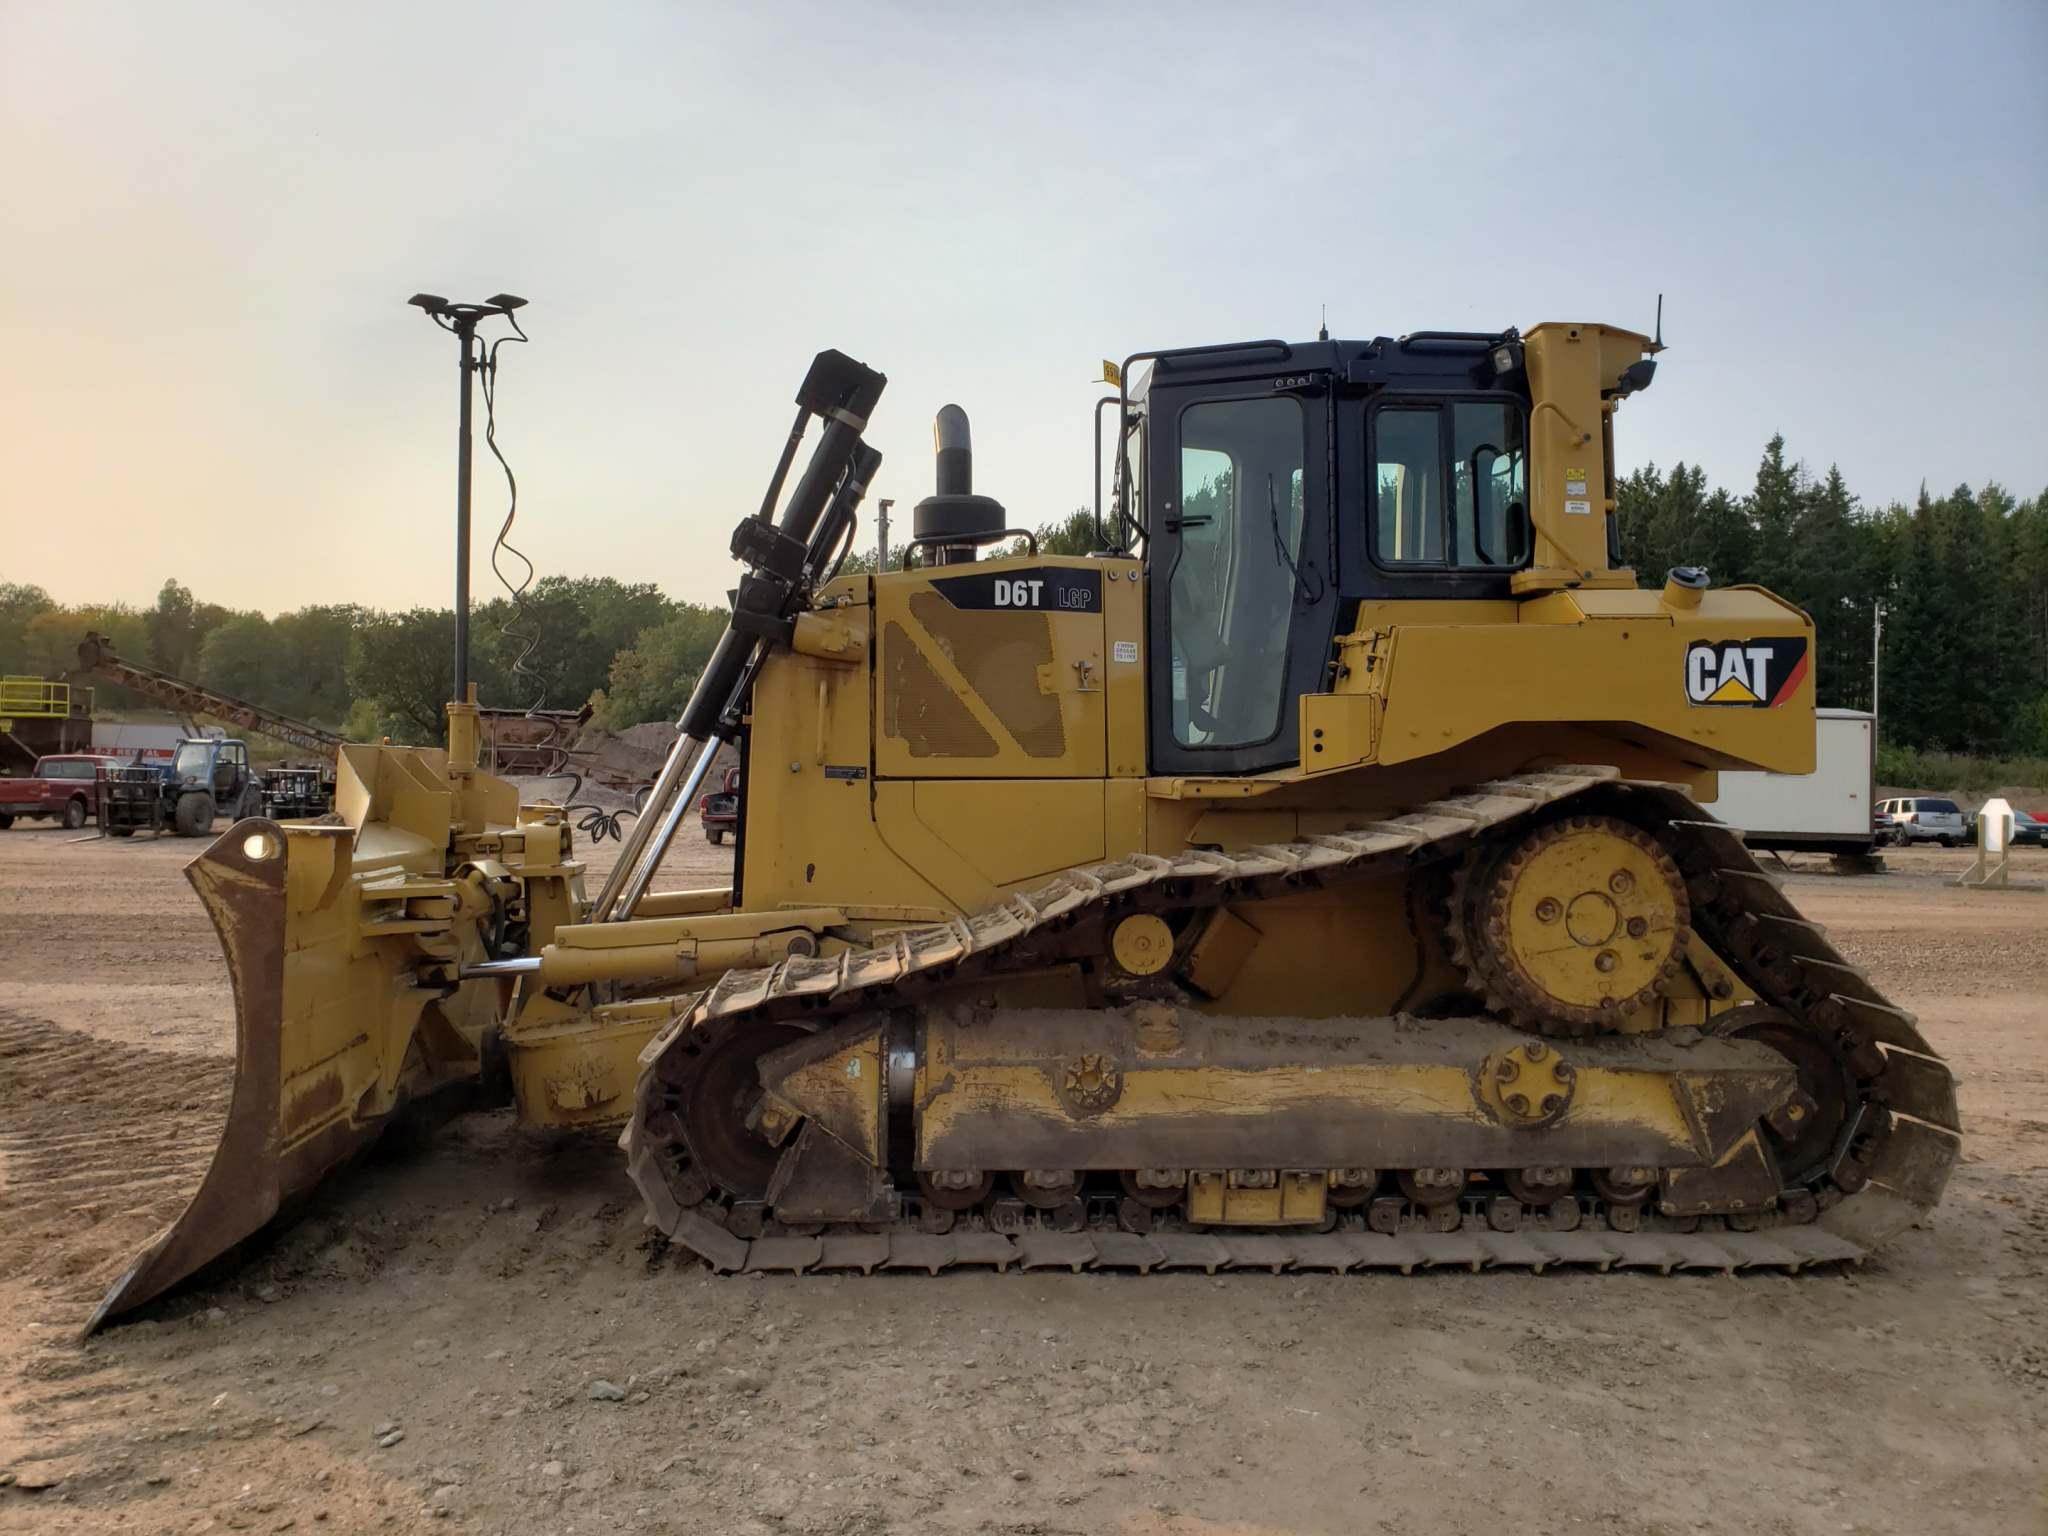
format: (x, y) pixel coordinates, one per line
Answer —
(1231, 604)
(1450, 485)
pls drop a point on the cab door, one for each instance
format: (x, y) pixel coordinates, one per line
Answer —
(1243, 603)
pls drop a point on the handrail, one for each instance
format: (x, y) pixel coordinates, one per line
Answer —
(909, 544)
(35, 698)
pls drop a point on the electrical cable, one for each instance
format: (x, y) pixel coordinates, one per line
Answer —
(845, 548)
(528, 639)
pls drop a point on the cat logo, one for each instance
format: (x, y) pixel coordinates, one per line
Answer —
(1744, 674)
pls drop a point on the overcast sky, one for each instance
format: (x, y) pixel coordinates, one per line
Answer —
(214, 214)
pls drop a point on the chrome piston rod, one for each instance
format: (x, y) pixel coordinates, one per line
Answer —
(632, 886)
(636, 884)
(635, 841)
(518, 965)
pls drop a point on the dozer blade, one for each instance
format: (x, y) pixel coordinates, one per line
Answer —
(329, 1038)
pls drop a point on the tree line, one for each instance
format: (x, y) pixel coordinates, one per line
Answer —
(625, 648)
(1963, 579)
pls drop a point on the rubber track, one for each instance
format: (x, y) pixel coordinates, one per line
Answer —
(1909, 1139)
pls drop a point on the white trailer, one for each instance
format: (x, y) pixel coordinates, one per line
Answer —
(151, 743)
(1827, 810)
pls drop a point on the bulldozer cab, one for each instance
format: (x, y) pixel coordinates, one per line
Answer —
(1282, 486)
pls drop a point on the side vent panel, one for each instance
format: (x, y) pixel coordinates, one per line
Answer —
(1007, 659)
(992, 669)
(919, 710)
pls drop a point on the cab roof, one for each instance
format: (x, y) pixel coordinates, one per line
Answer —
(1439, 359)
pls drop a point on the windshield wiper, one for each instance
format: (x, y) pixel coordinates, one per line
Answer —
(1301, 585)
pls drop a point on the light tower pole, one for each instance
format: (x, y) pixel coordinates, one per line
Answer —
(462, 320)
(1876, 641)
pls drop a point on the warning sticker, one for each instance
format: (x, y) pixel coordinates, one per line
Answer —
(1579, 508)
(1575, 487)
(1124, 650)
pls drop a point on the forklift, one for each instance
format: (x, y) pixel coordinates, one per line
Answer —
(207, 775)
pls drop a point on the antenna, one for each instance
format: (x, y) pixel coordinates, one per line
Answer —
(1323, 330)
(1657, 345)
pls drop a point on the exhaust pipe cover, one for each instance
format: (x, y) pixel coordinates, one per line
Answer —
(955, 521)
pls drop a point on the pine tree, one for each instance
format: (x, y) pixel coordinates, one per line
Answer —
(1774, 509)
(1722, 541)
(1822, 576)
(1635, 516)
(2003, 615)
(1915, 659)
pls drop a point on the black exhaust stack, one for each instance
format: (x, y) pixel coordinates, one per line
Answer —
(954, 522)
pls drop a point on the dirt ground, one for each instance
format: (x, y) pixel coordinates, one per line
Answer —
(426, 1342)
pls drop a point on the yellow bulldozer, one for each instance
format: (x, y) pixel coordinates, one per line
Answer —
(1311, 877)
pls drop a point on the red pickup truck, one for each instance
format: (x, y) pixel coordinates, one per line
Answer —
(719, 811)
(66, 788)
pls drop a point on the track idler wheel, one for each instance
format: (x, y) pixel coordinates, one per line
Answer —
(719, 1090)
(1804, 1131)
(1575, 926)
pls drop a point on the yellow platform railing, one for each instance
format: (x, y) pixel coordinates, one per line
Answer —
(36, 698)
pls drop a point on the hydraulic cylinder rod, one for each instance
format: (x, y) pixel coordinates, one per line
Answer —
(635, 841)
(636, 883)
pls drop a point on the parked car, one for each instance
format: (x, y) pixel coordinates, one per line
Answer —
(1926, 819)
(63, 787)
(719, 811)
(2029, 830)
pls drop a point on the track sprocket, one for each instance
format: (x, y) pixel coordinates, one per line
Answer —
(1572, 927)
